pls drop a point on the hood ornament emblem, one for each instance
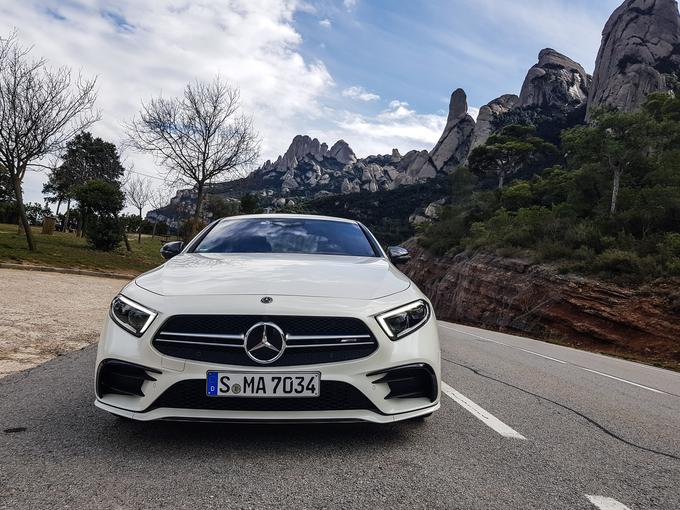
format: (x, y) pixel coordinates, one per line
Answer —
(264, 342)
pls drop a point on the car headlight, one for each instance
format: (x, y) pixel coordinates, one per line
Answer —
(131, 316)
(404, 320)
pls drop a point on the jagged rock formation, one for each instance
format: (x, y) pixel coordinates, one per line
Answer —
(484, 127)
(640, 54)
(342, 152)
(415, 166)
(555, 81)
(518, 296)
(309, 169)
(453, 146)
(300, 147)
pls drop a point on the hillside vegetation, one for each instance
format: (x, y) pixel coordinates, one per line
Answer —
(610, 206)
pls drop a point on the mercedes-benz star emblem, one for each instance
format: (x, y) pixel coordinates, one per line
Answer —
(264, 342)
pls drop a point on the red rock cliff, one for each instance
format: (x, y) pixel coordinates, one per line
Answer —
(515, 296)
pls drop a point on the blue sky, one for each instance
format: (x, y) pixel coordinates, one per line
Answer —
(377, 73)
(419, 52)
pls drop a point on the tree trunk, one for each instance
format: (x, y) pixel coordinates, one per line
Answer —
(127, 241)
(153, 232)
(139, 236)
(615, 190)
(66, 216)
(501, 180)
(80, 230)
(125, 237)
(58, 207)
(18, 194)
(199, 201)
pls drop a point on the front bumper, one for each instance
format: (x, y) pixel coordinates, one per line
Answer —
(420, 348)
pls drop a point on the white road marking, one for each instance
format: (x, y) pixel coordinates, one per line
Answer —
(623, 380)
(543, 356)
(554, 359)
(606, 503)
(486, 417)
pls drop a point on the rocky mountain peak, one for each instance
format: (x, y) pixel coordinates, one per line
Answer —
(342, 152)
(640, 54)
(301, 146)
(458, 106)
(453, 146)
(555, 81)
(487, 114)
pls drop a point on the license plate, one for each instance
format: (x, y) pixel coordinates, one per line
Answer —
(256, 384)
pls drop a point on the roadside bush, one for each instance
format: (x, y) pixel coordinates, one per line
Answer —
(615, 262)
(8, 212)
(552, 250)
(669, 253)
(104, 233)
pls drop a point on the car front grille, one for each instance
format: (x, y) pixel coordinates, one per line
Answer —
(309, 340)
(333, 396)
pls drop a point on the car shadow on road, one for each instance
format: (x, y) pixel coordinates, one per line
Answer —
(234, 434)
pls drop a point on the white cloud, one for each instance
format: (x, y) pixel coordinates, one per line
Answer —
(360, 93)
(397, 126)
(326, 23)
(473, 112)
(140, 49)
(350, 4)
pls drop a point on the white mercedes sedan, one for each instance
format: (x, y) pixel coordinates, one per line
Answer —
(272, 318)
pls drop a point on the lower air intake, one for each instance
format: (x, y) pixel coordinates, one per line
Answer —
(122, 378)
(409, 381)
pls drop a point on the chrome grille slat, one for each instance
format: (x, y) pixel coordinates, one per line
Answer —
(293, 346)
(324, 337)
(193, 342)
(203, 335)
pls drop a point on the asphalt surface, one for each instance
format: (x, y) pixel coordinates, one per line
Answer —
(585, 426)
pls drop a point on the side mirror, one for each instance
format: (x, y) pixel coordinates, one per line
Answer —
(169, 250)
(398, 255)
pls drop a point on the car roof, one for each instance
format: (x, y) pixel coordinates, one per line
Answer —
(275, 216)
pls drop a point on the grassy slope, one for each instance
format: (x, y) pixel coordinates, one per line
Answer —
(66, 250)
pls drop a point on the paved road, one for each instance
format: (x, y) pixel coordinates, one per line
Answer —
(523, 425)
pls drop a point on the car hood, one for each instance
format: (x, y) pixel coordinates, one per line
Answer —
(193, 274)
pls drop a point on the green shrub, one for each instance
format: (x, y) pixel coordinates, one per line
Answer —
(618, 263)
(104, 233)
(516, 196)
(552, 250)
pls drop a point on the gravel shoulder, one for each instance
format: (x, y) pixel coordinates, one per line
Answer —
(45, 315)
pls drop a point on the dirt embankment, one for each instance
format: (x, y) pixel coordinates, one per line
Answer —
(515, 296)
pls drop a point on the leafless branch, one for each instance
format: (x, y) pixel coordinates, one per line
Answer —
(138, 192)
(41, 108)
(199, 137)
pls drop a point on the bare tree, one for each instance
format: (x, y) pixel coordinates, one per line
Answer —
(160, 197)
(138, 194)
(198, 137)
(40, 110)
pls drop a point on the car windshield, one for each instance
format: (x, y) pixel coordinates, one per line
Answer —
(286, 235)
